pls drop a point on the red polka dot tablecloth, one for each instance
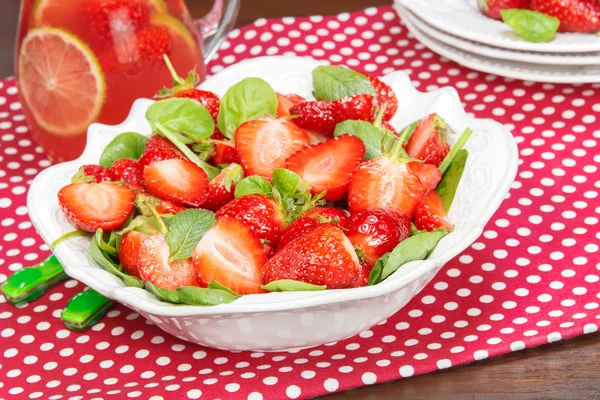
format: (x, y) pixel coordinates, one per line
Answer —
(530, 279)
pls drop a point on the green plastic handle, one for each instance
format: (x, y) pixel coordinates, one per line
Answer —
(85, 309)
(29, 283)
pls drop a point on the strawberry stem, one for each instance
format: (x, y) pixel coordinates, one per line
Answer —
(379, 116)
(407, 132)
(176, 78)
(460, 143)
(65, 237)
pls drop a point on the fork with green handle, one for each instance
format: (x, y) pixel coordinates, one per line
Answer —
(82, 311)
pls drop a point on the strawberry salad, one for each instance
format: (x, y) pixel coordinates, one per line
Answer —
(259, 191)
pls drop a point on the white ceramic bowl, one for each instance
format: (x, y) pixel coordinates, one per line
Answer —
(277, 321)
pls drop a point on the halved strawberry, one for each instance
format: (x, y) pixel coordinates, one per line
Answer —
(396, 185)
(429, 141)
(129, 248)
(222, 187)
(323, 116)
(334, 215)
(224, 150)
(154, 266)
(328, 165)
(260, 213)
(431, 214)
(93, 206)
(232, 255)
(374, 232)
(297, 229)
(179, 181)
(385, 95)
(285, 102)
(324, 256)
(159, 148)
(264, 144)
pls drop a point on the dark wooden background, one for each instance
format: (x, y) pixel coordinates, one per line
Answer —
(562, 371)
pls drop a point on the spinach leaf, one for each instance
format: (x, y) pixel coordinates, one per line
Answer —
(107, 264)
(460, 143)
(192, 295)
(185, 231)
(288, 285)
(253, 185)
(217, 285)
(249, 99)
(285, 181)
(182, 115)
(449, 183)
(126, 145)
(370, 135)
(334, 82)
(532, 26)
(377, 270)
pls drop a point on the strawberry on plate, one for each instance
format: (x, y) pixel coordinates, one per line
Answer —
(154, 266)
(179, 181)
(322, 116)
(492, 8)
(264, 144)
(374, 232)
(224, 150)
(93, 206)
(431, 214)
(166, 207)
(429, 141)
(129, 249)
(324, 256)
(285, 102)
(231, 254)
(93, 173)
(297, 229)
(328, 166)
(260, 213)
(385, 95)
(334, 215)
(159, 148)
(128, 171)
(222, 187)
(581, 16)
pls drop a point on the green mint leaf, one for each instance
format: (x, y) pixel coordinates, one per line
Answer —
(192, 295)
(286, 182)
(532, 26)
(449, 183)
(181, 115)
(333, 83)
(185, 231)
(414, 248)
(107, 263)
(377, 270)
(288, 285)
(460, 143)
(126, 145)
(249, 99)
(370, 135)
(253, 185)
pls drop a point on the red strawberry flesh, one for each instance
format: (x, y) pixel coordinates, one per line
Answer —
(431, 215)
(179, 181)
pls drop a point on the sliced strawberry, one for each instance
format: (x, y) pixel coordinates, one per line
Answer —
(323, 116)
(385, 95)
(284, 103)
(324, 256)
(431, 214)
(374, 232)
(383, 183)
(222, 187)
(429, 141)
(264, 144)
(328, 214)
(297, 229)
(179, 181)
(315, 137)
(159, 148)
(232, 255)
(129, 248)
(225, 153)
(93, 206)
(260, 213)
(97, 173)
(166, 207)
(328, 165)
(154, 266)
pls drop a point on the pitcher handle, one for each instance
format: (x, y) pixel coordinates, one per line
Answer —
(214, 26)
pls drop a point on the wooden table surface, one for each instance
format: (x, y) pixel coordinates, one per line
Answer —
(563, 370)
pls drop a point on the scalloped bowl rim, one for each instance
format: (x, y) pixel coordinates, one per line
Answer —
(138, 298)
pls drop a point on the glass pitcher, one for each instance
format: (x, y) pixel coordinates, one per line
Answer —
(85, 61)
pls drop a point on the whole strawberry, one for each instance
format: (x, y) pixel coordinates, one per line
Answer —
(334, 215)
(128, 171)
(575, 15)
(92, 173)
(297, 229)
(159, 148)
(324, 256)
(429, 141)
(492, 8)
(322, 116)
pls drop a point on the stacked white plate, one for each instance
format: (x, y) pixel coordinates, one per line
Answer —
(457, 30)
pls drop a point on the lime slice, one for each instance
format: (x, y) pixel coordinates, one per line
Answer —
(61, 81)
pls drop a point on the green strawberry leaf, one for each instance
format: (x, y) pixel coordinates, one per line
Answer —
(449, 183)
(185, 231)
(249, 99)
(181, 115)
(334, 82)
(107, 263)
(253, 185)
(532, 26)
(288, 285)
(126, 145)
(192, 295)
(370, 135)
